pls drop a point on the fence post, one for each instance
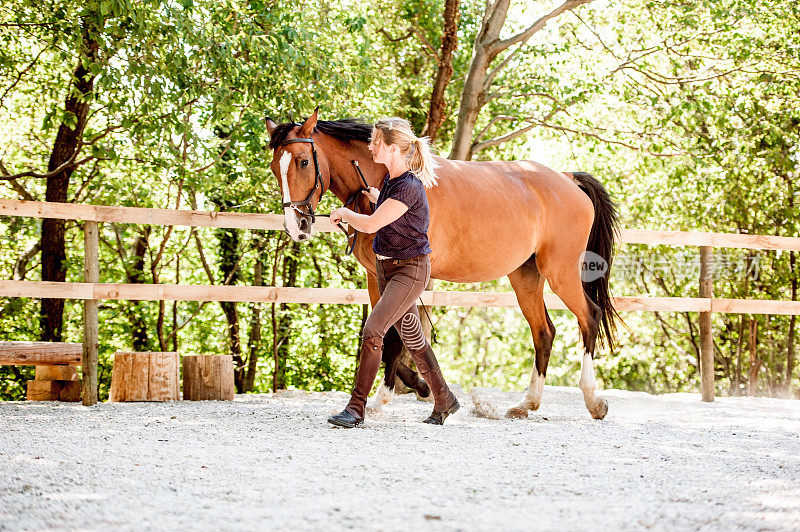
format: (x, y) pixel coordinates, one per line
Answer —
(706, 334)
(91, 343)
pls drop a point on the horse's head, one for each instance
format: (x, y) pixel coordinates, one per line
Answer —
(299, 167)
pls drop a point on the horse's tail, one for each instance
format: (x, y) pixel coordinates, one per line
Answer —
(601, 241)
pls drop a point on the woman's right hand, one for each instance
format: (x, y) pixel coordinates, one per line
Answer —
(372, 194)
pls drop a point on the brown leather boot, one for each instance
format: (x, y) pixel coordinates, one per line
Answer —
(444, 400)
(368, 363)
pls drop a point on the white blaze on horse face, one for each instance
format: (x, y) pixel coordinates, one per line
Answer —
(289, 216)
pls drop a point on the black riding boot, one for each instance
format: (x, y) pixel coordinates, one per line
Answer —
(368, 363)
(444, 400)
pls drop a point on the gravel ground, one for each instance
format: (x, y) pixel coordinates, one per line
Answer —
(272, 462)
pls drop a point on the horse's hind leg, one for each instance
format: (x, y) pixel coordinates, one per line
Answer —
(567, 284)
(528, 285)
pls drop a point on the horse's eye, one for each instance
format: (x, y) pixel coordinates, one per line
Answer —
(303, 163)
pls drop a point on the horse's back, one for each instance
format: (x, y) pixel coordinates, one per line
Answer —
(488, 218)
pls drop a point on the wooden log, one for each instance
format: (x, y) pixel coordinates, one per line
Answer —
(146, 376)
(54, 390)
(165, 380)
(44, 390)
(207, 377)
(70, 391)
(347, 296)
(40, 353)
(56, 373)
(130, 376)
(91, 337)
(236, 220)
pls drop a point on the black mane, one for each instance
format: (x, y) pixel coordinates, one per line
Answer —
(347, 129)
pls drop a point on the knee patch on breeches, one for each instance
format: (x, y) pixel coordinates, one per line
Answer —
(411, 333)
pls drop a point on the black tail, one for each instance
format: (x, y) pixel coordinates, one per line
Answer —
(601, 241)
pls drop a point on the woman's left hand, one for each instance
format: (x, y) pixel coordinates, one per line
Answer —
(339, 214)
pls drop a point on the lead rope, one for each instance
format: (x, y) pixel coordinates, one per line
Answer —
(433, 330)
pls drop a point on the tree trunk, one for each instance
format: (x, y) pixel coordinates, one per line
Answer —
(228, 265)
(254, 338)
(66, 146)
(755, 362)
(436, 111)
(486, 48)
(283, 325)
(136, 308)
(787, 385)
(739, 345)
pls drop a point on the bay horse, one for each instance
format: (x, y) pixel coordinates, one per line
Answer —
(487, 220)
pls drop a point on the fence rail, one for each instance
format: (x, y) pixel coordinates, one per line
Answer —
(281, 294)
(235, 220)
(92, 291)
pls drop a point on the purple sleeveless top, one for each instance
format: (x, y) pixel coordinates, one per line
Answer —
(407, 236)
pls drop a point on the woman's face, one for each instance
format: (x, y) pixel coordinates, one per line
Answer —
(381, 153)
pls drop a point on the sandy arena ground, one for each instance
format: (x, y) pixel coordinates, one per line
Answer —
(272, 462)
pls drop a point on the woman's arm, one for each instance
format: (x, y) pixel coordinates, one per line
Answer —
(389, 211)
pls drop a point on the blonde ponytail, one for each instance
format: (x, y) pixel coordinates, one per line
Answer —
(417, 150)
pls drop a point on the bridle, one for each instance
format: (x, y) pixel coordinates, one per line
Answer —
(320, 184)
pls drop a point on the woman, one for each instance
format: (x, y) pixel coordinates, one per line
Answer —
(402, 249)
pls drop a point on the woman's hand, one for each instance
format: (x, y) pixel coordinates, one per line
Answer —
(339, 214)
(372, 194)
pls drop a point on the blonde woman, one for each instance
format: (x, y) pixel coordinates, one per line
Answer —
(401, 246)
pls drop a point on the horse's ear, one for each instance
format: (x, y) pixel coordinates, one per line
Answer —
(271, 125)
(308, 126)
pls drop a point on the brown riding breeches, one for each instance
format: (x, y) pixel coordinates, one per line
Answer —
(400, 283)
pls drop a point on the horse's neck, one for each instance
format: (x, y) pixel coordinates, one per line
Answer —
(345, 180)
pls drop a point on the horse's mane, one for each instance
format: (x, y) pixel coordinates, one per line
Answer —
(347, 129)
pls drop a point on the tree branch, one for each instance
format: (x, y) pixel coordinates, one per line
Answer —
(69, 163)
(4, 176)
(392, 39)
(492, 122)
(501, 140)
(523, 36)
(22, 262)
(428, 47)
(22, 73)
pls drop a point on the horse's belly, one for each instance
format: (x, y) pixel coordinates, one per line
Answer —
(464, 261)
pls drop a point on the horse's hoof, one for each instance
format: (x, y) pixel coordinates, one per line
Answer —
(600, 411)
(375, 412)
(516, 413)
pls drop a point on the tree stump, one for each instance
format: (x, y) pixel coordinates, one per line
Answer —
(145, 376)
(208, 377)
(55, 383)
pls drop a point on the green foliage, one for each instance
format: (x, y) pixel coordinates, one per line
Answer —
(687, 112)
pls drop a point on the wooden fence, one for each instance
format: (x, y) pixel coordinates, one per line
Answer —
(92, 291)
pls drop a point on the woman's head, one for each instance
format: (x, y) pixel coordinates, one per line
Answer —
(393, 137)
